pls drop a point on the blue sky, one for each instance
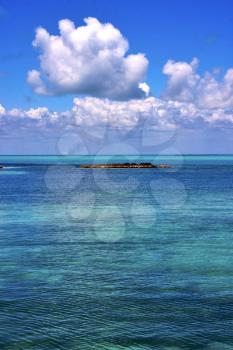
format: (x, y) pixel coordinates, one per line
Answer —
(163, 30)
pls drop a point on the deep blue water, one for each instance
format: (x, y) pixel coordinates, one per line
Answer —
(116, 258)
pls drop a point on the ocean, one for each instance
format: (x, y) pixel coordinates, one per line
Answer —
(116, 259)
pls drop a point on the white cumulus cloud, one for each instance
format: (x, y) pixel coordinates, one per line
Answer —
(184, 84)
(182, 79)
(2, 110)
(90, 59)
(92, 114)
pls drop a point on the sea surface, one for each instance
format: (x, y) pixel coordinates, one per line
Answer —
(116, 259)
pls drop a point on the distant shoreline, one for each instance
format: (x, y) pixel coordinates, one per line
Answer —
(121, 155)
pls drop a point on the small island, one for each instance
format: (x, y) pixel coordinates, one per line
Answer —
(126, 165)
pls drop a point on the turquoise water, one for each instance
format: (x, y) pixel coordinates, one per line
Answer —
(116, 259)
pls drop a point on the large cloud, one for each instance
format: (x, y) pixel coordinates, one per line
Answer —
(89, 59)
(92, 113)
(185, 85)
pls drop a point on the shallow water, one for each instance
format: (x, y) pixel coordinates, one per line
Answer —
(116, 258)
